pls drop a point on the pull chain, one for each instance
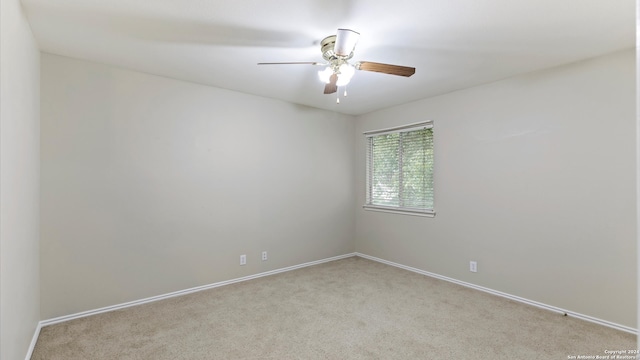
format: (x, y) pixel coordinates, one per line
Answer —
(338, 95)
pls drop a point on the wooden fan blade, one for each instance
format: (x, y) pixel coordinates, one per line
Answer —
(293, 63)
(331, 87)
(386, 68)
(345, 42)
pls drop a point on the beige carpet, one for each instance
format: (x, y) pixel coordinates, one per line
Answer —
(347, 309)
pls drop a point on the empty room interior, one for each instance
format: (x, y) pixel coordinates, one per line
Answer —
(318, 179)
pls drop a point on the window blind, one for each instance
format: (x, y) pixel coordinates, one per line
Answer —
(400, 168)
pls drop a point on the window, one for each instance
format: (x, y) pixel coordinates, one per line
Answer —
(400, 169)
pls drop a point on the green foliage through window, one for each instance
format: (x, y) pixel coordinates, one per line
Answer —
(400, 169)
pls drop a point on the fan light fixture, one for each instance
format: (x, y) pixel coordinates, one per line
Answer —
(325, 74)
(345, 73)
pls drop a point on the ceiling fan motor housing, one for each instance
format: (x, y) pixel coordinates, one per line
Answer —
(327, 47)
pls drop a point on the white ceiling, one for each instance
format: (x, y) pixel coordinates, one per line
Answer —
(453, 44)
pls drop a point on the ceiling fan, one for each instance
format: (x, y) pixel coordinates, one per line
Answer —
(337, 50)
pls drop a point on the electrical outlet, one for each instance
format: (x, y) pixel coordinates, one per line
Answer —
(473, 266)
(264, 256)
(243, 259)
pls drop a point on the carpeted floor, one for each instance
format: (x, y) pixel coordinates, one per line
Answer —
(347, 309)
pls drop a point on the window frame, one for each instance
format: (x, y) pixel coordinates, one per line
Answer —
(368, 174)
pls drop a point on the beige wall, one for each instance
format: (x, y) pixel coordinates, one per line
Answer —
(535, 180)
(19, 182)
(152, 185)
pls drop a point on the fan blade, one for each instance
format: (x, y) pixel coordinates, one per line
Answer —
(385, 68)
(345, 42)
(331, 87)
(293, 63)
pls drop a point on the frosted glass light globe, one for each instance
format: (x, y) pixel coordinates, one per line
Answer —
(325, 75)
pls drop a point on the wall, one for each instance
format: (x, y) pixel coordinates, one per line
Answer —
(19, 182)
(535, 180)
(152, 185)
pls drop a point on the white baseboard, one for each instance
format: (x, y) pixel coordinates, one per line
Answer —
(34, 339)
(183, 292)
(508, 296)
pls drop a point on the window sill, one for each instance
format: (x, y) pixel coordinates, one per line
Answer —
(394, 210)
